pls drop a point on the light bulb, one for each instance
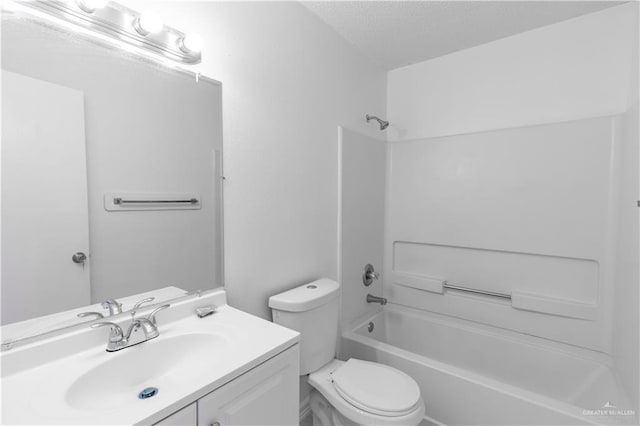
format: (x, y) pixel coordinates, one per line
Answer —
(8, 6)
(190, 43)
(148, 23)
(90, 6)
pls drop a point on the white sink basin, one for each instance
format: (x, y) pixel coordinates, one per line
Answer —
(161, 363)
(71, 379)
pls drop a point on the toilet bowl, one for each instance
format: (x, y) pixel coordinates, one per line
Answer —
(359, 392)
(352, 392)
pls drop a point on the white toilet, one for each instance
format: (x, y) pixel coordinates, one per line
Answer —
(352, 392)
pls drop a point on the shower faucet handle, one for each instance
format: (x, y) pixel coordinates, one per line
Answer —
(369, 275)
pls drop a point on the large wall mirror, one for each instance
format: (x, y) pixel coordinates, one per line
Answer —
(111, 173)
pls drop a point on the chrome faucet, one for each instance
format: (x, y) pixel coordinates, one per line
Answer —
(113, 306)
(140, 330)
(375, 299)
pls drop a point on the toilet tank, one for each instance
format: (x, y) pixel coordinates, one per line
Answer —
(312, 310)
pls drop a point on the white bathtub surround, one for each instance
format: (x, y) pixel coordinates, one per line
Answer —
(626, 316)
(473, 374)
(512, 168)
(362, 162)
(71, 379)
(524, 212)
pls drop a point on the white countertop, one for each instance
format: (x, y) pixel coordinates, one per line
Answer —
(38, 379)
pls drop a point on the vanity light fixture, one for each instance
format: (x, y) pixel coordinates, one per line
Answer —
(8, 6)
(190, 43)
(144, 31)
(90, 6)
(148, 23)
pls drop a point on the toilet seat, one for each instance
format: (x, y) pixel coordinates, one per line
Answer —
(376, 388)
(359, 406)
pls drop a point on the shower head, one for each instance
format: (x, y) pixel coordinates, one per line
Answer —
(383, 124)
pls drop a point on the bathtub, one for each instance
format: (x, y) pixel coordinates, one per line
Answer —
(472, 374)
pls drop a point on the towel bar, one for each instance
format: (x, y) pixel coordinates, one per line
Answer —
(119, 201)
(446, 284)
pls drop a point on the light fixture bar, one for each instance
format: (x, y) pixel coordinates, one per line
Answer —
(119, 22)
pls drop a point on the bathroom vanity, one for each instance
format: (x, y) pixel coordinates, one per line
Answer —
(228, 368)
(265, 395)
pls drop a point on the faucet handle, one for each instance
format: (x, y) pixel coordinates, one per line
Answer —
(143, 301)
(98, 315)
(116, 332)
(369, 275)
(140, 303)
(152, 315)
(113, 306)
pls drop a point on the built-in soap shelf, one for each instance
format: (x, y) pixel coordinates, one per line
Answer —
(519, 299)
(116, 201)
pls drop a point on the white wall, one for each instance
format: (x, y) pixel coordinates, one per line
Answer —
(288, 81)
(362, 207)
(575, 69)
(465, 127)
(626, 319)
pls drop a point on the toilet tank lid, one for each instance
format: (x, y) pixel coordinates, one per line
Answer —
(305, 297)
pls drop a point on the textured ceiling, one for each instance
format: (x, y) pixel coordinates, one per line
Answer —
(399, 33)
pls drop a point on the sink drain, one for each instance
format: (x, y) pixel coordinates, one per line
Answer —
(147, 393)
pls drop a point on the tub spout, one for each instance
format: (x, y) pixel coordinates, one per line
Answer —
(375, 299)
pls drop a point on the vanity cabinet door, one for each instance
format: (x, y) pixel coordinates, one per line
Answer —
(185, 417)
(266, 395)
